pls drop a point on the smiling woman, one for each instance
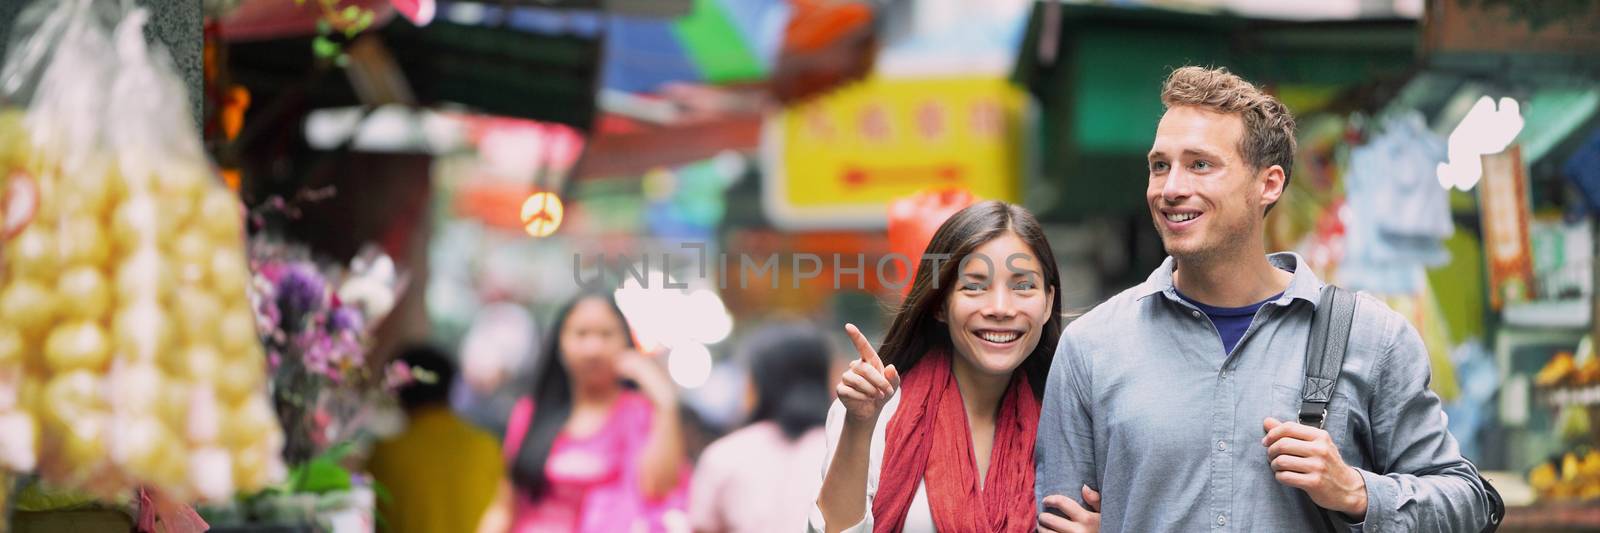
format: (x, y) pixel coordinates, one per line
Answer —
(973, 341)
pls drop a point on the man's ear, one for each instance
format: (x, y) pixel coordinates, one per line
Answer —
(1272, 185)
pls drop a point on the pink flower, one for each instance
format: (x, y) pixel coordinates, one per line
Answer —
(398, 375)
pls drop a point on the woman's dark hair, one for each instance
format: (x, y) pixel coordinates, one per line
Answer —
(790, 367)
(552, 396)
(916, 329)
(436, 391)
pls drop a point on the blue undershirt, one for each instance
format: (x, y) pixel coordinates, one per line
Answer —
(1231, 322)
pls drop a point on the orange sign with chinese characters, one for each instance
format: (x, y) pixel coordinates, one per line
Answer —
(837, 162)
(1504, 197)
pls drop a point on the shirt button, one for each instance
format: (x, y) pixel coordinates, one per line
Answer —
(1222, 520)
(1195, 314)
(1222, 445)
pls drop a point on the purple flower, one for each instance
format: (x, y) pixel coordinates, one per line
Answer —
(301, 292)
(346, 319)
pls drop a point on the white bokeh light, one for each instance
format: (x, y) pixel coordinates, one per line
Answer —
(708, 319)
(663, 317)
(689, 365)
(1487, 129)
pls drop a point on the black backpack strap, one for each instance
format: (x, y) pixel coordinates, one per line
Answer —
(1325, 349)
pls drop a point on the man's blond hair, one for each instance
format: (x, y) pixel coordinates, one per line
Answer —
(1268, 126)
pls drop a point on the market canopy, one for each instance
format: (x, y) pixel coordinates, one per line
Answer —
(1096, 72)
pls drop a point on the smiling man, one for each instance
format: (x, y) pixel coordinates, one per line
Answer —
(1171, 406)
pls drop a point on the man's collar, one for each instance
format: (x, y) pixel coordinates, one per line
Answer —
(1305, 285)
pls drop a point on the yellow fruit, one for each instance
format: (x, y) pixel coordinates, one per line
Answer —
(1554, 372)
(90, 190)
(238, 378)
(13, 348)
(172, 470)
(229, 274)
(1569, 467)
(80, 345)
(84, 293)
(137, 223)
(198, 313)
(248, 423)
(83, 242)
(144, 274)
(250, 470)
(29, 306)
(13, 136)
(238, 332)
(190, 273)
(198, 362)
(175, 403)
(221, 215)
(71, 396)
(142, 445)
(1591, 465)
(190, 245)
(84, 444)
(136, 388)
(32, 253)
(184, 183)
(142, 331)
(30, 392)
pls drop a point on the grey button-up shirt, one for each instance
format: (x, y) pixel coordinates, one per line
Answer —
(1143, 406)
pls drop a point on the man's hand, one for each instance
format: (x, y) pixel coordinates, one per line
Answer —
(1077, 518)
(1306, 458)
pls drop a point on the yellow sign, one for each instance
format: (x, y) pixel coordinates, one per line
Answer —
(838, 161)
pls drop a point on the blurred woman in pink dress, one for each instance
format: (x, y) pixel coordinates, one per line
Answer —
(587, 453)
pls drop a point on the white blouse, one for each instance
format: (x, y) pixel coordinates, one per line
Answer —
(919, 518)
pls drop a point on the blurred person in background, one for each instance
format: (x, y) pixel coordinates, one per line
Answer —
(498, 354)
(430, 493)
(587, 452)
(973, 340)
(763, 477)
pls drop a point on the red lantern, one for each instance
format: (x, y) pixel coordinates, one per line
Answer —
(913, 221)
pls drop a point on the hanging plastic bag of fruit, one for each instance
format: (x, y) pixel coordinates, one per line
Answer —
(127, 286)
(26, 257)
(914, 219)
(186, 316)
(30, 253)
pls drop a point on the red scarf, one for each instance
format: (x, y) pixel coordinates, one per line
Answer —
(929, 441)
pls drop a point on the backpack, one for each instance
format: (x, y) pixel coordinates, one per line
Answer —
(1325, 351)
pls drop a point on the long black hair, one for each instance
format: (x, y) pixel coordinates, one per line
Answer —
(552, 396)
(789, 365)
(916, 329)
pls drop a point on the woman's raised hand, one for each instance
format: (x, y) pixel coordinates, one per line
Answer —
(867, 385)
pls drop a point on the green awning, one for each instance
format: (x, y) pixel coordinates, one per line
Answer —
(1099, 85)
